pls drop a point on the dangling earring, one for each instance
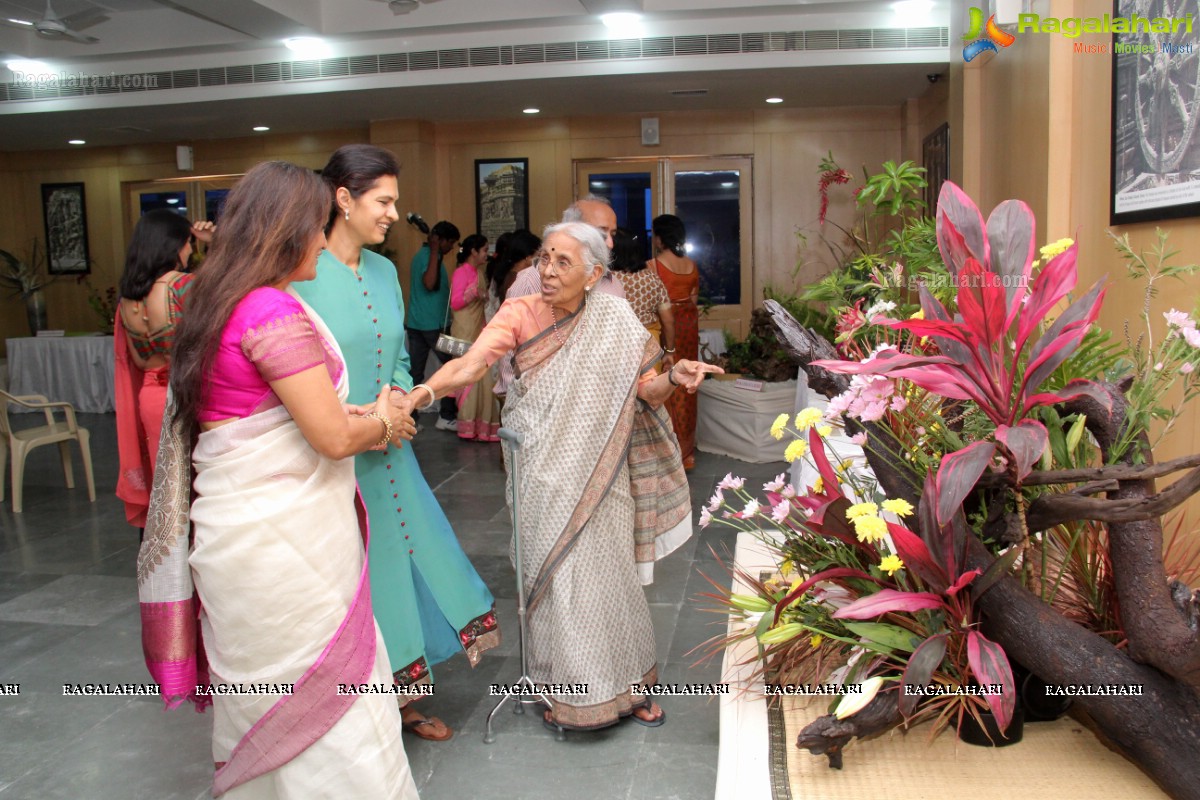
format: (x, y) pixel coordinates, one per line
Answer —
(347, 215)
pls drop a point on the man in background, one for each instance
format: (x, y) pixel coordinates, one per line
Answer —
(429, 310)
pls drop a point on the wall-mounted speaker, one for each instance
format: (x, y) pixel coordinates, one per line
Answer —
(649, 131)
(184, 158)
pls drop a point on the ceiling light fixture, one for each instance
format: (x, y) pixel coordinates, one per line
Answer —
(623, 23)
(774, 100)
(531, 110)
(309, 47)
(28, 66)
(261, 128)
(913, 11)
(76, 141)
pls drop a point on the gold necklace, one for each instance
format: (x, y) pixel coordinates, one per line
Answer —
(557, 334)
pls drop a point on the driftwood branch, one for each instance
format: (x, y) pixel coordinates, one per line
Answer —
(827, 735)
(1115, 472)
(1053, 509)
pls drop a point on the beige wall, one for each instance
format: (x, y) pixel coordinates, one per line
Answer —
(104, 172)
(437, 164)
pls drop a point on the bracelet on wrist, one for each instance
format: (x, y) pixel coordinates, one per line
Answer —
(387, 427)
(671, 377)
(668, 349)
(432, 395)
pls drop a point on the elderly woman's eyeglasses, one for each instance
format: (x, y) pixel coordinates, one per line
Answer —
(553, 265)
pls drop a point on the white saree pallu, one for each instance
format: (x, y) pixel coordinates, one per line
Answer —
(592, 523)
(278, 562)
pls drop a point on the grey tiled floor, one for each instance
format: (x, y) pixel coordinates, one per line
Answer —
(68, 614)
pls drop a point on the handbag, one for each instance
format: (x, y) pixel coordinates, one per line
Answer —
(447, 344)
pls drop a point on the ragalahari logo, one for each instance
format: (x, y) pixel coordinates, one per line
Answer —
(984, 37)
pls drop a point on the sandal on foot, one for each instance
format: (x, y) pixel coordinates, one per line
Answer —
(426, 728)
(653, 722)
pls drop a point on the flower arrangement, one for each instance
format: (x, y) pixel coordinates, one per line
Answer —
(1007, 505)
(104, 305)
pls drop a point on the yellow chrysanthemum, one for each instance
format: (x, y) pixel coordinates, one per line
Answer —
(824, 430)
(1054, 248)
(785, 567)
(869, 529)
(901, 508)
(807, 418)
(818, 486)
(778, 425)
(795, 450)
(862, 510)
(890, 564)
(815, 640)
(919, 315)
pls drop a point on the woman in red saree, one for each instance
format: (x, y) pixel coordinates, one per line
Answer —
(277, 557)
(682, 278)
(151, 288)
(601, 469)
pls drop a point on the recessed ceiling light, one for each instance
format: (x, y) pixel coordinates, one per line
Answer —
(623, 23)
(726, 184)
(172, 201)
(261, 128)
(20, 22)
(774, 100)
(531, 110)
(76, 141)
(27, 65)
(309, 47)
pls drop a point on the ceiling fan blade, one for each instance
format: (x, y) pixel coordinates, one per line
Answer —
(79, 37)
(85, 19)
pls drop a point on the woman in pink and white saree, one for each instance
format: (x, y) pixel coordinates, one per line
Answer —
(277, 558)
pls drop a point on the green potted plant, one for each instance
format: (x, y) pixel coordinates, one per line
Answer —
(26, 279)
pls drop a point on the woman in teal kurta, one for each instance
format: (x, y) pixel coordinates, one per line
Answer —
(429, 601)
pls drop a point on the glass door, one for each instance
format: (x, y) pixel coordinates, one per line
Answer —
(712, 195)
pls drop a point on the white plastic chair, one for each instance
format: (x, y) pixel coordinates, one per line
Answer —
(21, 441)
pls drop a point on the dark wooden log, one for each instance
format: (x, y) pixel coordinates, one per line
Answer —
(827, 735)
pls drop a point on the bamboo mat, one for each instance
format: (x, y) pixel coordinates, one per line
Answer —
(1060, 759)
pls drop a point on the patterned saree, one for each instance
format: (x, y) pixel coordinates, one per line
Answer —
(605, 496)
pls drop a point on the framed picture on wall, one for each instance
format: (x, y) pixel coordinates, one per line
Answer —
(65, 216)
(501, 196)
(1155, 108)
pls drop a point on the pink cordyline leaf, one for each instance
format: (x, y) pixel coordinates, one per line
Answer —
(1026, 441)
(886, 600)
(957, 476)
(917, 558)
(963, 581)
(829, 574)
(981, 303)
(989, 664)
(1056, 280)
(1076, 388)
(817, 448)
(1058, 343)
(921, 664)
(960, 230)
(1010, 232)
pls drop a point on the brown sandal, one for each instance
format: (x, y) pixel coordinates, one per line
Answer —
(426, 728)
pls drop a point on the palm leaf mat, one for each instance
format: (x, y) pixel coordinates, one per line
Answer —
(1060, 759)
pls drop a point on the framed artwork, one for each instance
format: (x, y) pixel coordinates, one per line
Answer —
(65, 216)
(935, 157)
(501, 196)
(1155, 108)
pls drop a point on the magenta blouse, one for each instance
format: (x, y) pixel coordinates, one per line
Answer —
(268, 337)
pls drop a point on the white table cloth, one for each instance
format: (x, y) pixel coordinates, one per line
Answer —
(75, 369)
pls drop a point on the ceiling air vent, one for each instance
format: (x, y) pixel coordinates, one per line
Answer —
(689, 92)
(720, 44)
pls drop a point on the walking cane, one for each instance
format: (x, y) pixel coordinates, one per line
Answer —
(513, 440)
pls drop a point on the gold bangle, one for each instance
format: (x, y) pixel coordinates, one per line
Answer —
(387, 427)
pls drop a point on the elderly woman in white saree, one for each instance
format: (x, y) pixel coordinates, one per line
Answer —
(601, 471)
(278, 558)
